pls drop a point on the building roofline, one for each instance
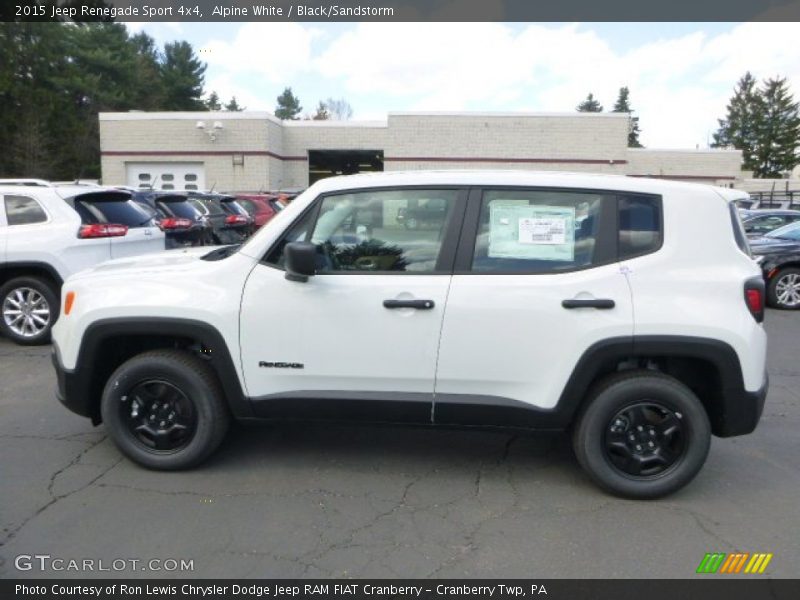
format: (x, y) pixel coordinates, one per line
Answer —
(687, 150)
(334, 123)
(199, 115)
(445, 113)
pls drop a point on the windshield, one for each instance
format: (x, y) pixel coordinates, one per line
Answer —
(787, 232)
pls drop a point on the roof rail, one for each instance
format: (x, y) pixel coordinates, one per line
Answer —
(26, 182)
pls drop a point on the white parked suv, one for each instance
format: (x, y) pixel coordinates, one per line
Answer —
(49, 232)
(627, 310)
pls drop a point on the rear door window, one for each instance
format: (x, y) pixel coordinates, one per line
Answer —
(23, 210)
(542, 231)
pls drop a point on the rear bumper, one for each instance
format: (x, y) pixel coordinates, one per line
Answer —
(71, 389)
(742, 411)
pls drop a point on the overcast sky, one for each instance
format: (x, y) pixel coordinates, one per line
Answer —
(680, 74)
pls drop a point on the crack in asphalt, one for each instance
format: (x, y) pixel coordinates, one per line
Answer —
(55, 498)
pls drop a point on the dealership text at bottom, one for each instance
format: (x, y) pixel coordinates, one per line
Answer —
(279, 590)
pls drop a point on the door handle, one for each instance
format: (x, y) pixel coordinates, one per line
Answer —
(603, 303)
(418, 304)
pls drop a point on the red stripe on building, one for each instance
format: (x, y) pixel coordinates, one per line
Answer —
(486, 159)
(199, 153)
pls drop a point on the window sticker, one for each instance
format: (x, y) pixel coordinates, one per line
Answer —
(532, 232)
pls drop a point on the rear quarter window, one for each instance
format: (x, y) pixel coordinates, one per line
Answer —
(23, 210)
(641, 229)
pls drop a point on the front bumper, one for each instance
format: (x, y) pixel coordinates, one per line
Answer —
(71, 390)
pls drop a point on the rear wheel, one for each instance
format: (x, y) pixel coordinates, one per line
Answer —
(164, 409)
(642, 435)
(29, 307)
(784, 289)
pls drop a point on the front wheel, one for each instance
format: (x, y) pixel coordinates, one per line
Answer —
(642, 435)
(164, 409)
(784, 290)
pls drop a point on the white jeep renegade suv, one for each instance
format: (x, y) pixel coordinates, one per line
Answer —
(626, 310)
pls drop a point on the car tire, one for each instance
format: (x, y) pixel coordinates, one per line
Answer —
(785, 278)
(36, 297)
(642, 435)
(143, 392)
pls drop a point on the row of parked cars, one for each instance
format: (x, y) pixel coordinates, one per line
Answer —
(48, 231)
(201, 219)
(774, 239)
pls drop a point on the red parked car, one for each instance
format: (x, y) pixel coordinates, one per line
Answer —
(262, 207)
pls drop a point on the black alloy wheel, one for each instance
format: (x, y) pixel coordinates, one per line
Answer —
(645, 439)
(159, 416)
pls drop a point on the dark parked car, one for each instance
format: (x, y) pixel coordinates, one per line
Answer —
(778, 254)
(760, 222)
(183, 223)
(230, 222)
(262, 207)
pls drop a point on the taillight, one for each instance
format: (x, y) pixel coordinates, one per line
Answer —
(101, 230)
(172, 223)
(754, 298)
(236, 220)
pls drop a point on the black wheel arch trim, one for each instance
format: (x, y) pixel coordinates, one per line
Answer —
(79, 390)
(735, 412)
(34, 265)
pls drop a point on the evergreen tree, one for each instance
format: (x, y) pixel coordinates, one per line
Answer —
(623, 105)
(589, 105)
(58, 76)
(183, 75)
(288, 106)
(322, 113)
(233, 105)
(212, 102)
(149, 92)
(778, 137)
(739, 129)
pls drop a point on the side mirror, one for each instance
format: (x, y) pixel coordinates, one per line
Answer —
(301, 260)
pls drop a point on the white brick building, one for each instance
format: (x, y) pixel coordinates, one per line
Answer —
(253, 151)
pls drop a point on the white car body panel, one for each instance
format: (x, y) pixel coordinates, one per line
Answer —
(341, 333)
(508, 336)
(173, 283)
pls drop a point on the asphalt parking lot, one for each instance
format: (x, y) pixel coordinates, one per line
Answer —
(346, 501)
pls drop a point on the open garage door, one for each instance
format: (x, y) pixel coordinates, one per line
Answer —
(327, 163)
(166, 175)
